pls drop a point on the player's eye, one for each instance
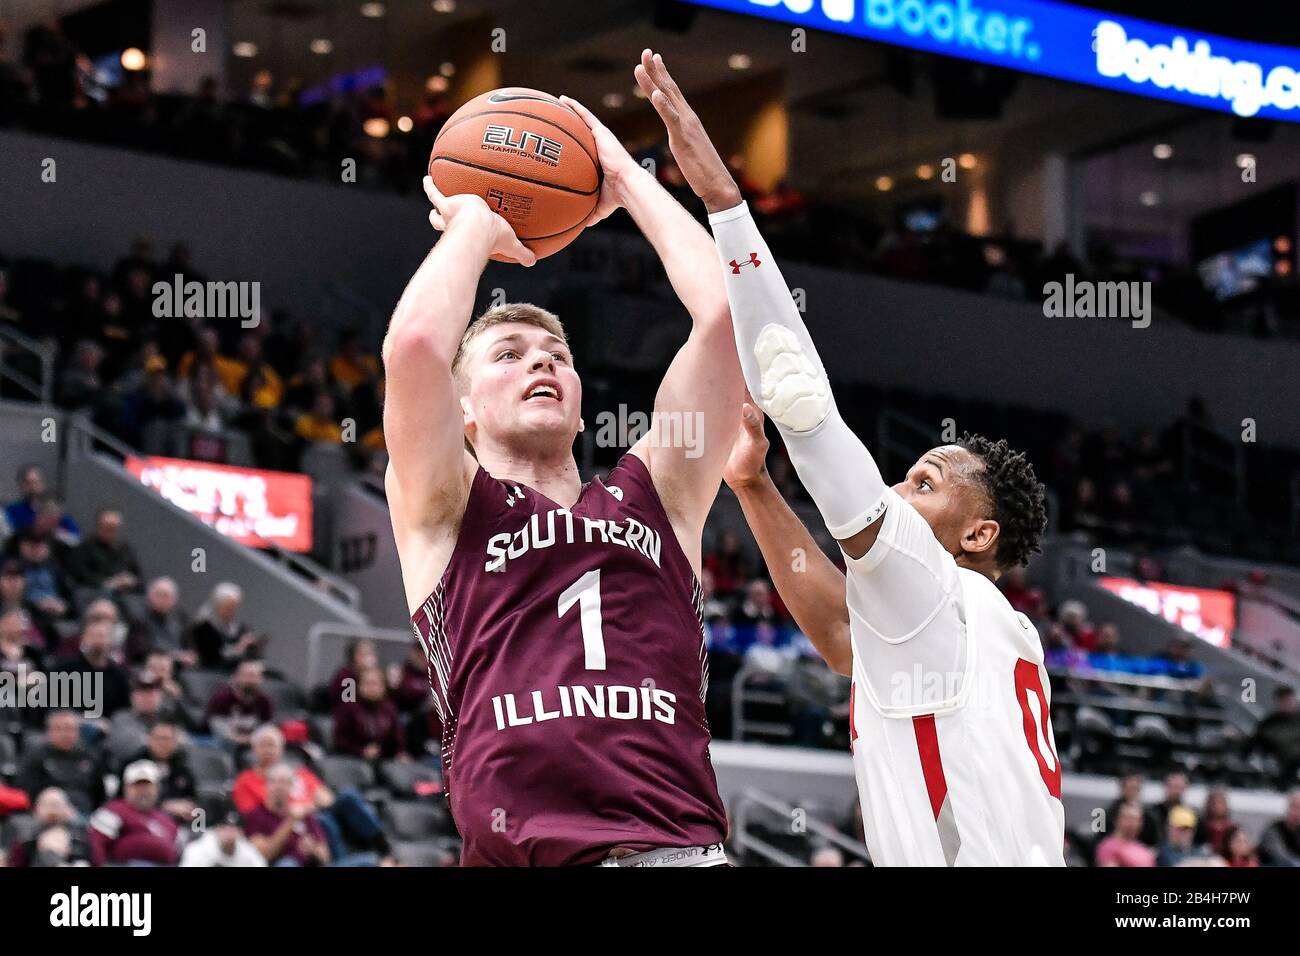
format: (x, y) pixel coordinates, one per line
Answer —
(508, 353)
(924, 485)
(558, 356)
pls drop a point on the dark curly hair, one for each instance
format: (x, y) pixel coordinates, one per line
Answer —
(1017, 496)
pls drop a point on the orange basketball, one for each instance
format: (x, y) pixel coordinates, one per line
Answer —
(531, 157)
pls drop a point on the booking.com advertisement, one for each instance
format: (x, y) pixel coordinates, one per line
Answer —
(1069, 43)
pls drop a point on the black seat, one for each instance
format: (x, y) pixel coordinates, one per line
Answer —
(211, 765)
(200, 685)
(411, 820)
(342, 772)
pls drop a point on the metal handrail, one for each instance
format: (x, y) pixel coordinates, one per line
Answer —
(44, 390)
(753, 796)
(738, 721)
(324, 629)
(82, 432)
(887, 428)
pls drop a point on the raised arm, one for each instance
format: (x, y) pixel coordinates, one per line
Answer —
(429, 470)
(695, 407)
(781, 366)
(809, 584)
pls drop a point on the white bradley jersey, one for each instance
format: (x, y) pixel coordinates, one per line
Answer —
(951, 735)
(952, 743)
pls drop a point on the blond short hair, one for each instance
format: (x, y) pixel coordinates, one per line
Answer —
(522, 312)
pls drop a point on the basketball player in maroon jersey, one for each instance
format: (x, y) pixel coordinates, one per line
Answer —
(561, 620)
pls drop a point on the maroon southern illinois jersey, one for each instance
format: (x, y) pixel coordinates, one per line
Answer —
(567, 663)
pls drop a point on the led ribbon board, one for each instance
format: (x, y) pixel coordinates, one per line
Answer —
(1069, 43)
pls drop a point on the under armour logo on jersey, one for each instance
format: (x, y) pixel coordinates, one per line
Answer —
(615, 490)
(751, 261)
(516, 495)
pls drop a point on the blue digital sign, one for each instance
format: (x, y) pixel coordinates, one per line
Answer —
(1069, 43)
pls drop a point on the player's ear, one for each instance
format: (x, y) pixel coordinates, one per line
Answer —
(582, 426)
(981, 536)
(466, 410)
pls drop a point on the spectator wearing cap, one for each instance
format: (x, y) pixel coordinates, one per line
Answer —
(129, 728)
(285, 833)
(219, 637)
(238, 708)
(366, 722)
(133, 829)
(94, 658)
(13, 597)
(60, 839)
(62, 761)
(162, 627)
(1180, 839)
(1278, 735)
(22, 511)
(1123, 847)
(1279, 845)
(224, 844)
(46, 583)
(1175, 794)
(177, 790)
(153, 404)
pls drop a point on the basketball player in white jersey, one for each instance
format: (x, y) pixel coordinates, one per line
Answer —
(951, 736)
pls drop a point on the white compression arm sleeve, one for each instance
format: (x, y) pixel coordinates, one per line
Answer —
(786, 377)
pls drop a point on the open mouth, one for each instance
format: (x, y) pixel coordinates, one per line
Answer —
(543, 392)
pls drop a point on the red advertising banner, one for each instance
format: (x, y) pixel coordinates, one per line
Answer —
(1210, 615)
(257, 508)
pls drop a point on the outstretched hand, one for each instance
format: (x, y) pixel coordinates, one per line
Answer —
(694, 152)
(447, 210)
(748, 460)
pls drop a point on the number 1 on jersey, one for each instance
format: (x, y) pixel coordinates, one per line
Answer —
(586, 593)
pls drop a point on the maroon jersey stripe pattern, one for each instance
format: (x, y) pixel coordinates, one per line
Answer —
(437, 651)
(567, 662)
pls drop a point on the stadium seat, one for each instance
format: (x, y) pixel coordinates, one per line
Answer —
(341, 772)
(211, 765)
(8, 756)
(121, 746)
(32, 739)
(200, 685)
(422, 853)
(401, 776)
(19, 827)
(322, 729)
(287, 699)
(1093, 736)
(411, 820)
